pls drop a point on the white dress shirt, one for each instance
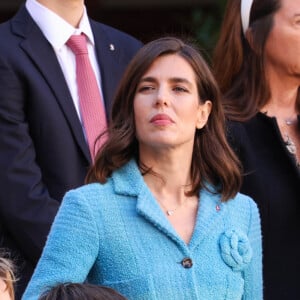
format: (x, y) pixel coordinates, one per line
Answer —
(57, 31)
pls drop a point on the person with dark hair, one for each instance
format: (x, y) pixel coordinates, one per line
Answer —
(256, 63)
(81, 291)
(48, 110)
(160, 216)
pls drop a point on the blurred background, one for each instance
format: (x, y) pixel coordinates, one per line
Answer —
(199, 20)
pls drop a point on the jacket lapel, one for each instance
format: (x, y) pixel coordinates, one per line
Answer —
(210, 215)
(110, 62)
(129, 181)
(211, 212)
(41, 53)
(148, 207)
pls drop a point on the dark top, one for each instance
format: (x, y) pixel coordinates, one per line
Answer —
(272, 179)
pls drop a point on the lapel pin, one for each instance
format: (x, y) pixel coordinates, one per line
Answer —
(111, 47)
(218, 208)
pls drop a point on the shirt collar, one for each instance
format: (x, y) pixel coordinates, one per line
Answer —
(50, 23)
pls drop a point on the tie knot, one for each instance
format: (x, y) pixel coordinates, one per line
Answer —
(77, 43)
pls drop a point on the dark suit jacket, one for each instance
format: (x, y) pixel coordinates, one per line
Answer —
(272, 179)
(43, 152)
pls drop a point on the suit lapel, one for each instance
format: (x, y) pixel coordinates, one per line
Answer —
(41, 53)
(110, 62)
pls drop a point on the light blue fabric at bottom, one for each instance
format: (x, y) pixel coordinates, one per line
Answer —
(116, 235)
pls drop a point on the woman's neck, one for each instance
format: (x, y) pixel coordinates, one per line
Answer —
(283, 101)
(283, 93)
(171, 175)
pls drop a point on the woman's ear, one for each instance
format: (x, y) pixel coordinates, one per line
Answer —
(203, 114)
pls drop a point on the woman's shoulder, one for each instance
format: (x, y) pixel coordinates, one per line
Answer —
(242, 200)
(243, 206)
(86, 189)
(240, 134)
(255, 123)
(235, 128)
(124, 181)
(89, 193)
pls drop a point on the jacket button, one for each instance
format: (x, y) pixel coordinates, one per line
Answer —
(187, 263)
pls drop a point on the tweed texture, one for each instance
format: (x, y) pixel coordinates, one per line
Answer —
(116, 235)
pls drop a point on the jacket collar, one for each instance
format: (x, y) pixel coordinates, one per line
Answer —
(129, 181)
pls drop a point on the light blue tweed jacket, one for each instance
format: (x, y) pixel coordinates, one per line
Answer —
(116, 235)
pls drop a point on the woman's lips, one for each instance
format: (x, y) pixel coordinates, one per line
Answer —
(161, 120)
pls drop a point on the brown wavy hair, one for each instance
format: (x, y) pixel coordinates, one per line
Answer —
(238, 62)
(213, 161)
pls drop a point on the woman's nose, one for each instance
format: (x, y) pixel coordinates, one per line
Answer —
(163, 97)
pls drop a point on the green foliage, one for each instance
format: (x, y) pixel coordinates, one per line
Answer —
(205, 24)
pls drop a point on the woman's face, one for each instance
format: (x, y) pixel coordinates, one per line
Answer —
(282, 50)
(166, 105)
(4, 294)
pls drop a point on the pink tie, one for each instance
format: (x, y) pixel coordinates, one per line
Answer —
(91, 105)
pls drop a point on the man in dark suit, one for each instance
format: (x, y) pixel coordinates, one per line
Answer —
(43, 148)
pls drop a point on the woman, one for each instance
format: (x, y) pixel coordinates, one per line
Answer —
(257, 65)
(161, 217)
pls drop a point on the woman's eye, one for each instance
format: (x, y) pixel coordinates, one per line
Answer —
(180, 89)
(145, 88)
(297, 21)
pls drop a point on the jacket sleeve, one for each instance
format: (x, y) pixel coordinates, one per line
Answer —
(253, 288)
(71, 248)
(26, 209)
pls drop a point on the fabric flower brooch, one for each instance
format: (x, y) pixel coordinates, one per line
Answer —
(236, 250)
